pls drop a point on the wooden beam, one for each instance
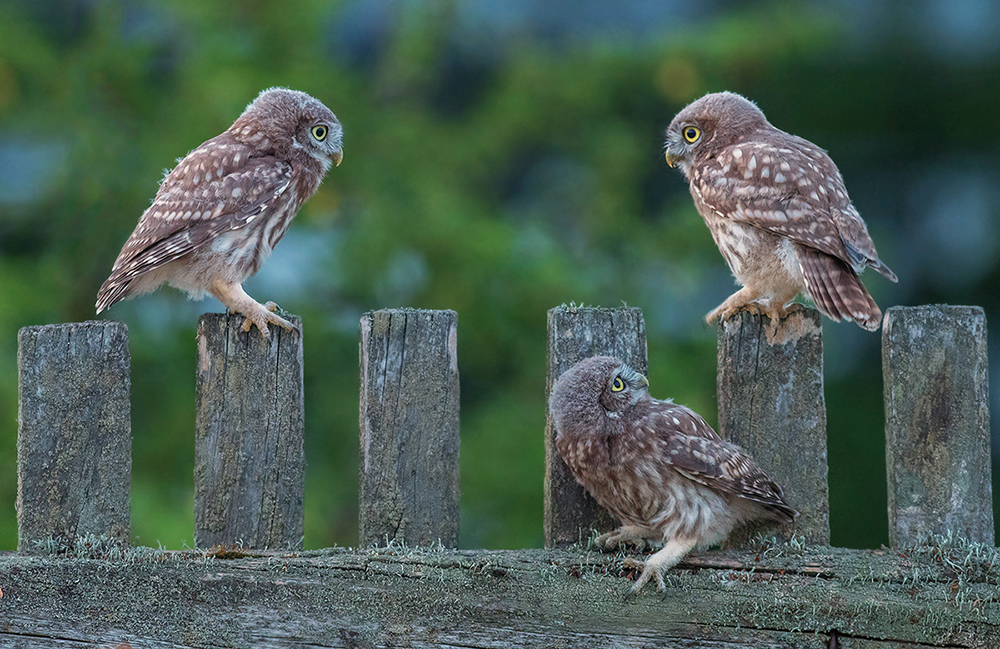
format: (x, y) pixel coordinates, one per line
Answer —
(249, 469)
(74, 435)
(576, 333)
(780, 597)
(937, 423)
(409, 423)
(770, 388)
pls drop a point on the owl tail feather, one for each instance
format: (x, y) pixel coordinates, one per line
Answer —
(112, 290)
(836, 289)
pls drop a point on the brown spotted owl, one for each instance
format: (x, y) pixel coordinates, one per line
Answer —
(655, 466)
(218, 215)
(778, 210)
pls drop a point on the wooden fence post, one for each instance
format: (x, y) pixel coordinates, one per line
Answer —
(770, 389)
(409, 422)
(74, 441)
(576, 333)
(937, 423)
(249, 470)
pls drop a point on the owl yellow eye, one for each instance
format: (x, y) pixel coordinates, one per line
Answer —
(319, 132)
(617, 385)
(691, 134)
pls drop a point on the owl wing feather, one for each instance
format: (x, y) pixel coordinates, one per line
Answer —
(183, 218)
(792, 188)
(696, 451)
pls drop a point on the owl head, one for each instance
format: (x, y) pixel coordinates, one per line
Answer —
(277, 113)
(708, 125)
(595, 390)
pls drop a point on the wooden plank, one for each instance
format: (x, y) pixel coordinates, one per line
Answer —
(249, 469)
(576, 333)
(409, 421)
(74, 436)
(937, 423)
(770, 389)
(779, 598)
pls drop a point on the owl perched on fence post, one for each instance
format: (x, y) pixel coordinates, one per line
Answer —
(218, 215)
(655, 466)
(778, 210)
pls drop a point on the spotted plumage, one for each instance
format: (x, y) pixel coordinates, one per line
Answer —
(656, 466)
(778, 210)
(218, 215)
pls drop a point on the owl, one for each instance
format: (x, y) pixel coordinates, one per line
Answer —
(655, 466)
(778, 210)
(218, 215)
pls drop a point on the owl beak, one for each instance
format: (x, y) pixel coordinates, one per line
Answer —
(643, 379)
(338, 157)
(671, 159)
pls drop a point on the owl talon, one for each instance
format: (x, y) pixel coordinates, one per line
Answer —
(278, 311)
(624, 535)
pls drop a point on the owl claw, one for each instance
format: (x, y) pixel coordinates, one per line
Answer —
(263, 316)
(649, 569)
(624, 535)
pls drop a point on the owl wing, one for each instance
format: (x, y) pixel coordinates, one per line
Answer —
(211, 191)
(694, 450)
(792, 188)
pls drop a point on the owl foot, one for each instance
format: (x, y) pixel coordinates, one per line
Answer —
(237, 301)
(658, 563)
(624, 535)
(264, 315)
(741, 300)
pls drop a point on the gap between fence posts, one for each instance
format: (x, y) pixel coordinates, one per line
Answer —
(937, 423)
(576, 333)
(74, 440)
(409, 428)
(249, 469)
(770, 390)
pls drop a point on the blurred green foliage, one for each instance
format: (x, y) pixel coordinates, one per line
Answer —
(498, 178)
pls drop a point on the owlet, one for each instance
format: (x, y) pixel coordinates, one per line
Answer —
(655, 466)
(218, 215)
(778, 210)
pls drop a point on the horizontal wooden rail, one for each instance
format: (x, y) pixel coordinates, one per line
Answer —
(940, 594)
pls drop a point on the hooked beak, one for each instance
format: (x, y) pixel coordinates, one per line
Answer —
(338, 157)
(671, 159)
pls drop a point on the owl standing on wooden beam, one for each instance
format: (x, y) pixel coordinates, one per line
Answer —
(218, 215)
(778, 210)
(656, 466)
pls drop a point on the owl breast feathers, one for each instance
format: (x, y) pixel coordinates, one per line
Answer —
(656, 466)
(778, 210)
(218, 215)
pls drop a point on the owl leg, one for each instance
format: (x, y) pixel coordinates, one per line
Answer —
(236, 300)
(660, 562)
(742, 299)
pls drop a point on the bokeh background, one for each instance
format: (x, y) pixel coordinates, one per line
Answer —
(501, 158)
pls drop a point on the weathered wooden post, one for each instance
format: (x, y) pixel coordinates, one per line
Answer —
(937, 423)
(74, 439)
(576, 333)
(770, 388)
(249, 470)
(409, 471)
